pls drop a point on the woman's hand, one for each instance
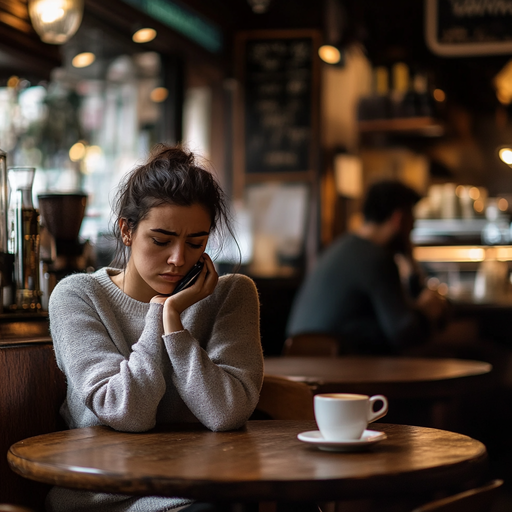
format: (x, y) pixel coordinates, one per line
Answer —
(174, 305)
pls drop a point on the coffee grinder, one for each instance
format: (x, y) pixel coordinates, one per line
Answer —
(61, 217)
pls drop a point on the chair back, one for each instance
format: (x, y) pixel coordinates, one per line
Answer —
(283, 399)
(311, 344)
(33, 389)
(479, 499)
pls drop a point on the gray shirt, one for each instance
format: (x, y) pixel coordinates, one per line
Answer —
(123, 372)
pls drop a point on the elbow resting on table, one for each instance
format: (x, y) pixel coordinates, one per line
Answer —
(225, 424)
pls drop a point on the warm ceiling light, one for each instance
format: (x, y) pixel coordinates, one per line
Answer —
(55, 20)
(502, 204)
(439, 95)
(503, 84)
(77, 152)
(329, 54)
(259, 6)
(159, 94)
(13, 82)
(505, 155)
(82, 60)
(144, 35)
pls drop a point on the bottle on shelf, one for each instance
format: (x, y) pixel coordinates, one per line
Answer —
(376, 105)
(423, 101)
(402, 95)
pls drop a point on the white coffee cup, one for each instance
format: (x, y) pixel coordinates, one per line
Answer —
(341, 416)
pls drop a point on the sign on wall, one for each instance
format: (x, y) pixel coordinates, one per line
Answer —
(468, 27)
(276, 134)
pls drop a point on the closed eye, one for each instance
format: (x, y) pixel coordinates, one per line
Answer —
(161, 244)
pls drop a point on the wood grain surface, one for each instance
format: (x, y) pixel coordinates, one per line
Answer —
(262, 462)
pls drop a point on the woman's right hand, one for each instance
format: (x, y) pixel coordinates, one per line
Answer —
(174, 305)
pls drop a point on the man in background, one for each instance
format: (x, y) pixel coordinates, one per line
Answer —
(356, 293)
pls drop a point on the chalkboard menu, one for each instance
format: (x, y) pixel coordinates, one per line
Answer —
(278, 83)
(469, 27)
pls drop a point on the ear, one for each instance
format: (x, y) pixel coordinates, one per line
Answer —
(126, 232)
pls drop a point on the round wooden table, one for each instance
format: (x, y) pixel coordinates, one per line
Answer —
(421, 391)
(398, 377)
(262, 462)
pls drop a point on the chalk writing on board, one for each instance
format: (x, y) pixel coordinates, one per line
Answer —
(469, 27)
(278, 88)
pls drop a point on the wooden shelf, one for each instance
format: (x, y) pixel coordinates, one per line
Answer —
(426, 126)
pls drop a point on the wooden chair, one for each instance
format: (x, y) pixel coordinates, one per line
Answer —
(479, 499)
(283, 399)
(33, 389)
(311, 344)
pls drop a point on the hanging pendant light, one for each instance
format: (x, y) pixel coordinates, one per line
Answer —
(55, 20)
(259, 6)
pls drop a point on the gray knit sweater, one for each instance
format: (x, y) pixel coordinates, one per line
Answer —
(123, 372)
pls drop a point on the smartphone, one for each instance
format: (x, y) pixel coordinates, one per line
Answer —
(190, 277)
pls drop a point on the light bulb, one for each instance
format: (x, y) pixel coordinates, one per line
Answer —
(55, 20)
(82, 60)
(144, 35)
(329, 54)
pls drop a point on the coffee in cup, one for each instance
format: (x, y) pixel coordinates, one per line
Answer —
(345, 416)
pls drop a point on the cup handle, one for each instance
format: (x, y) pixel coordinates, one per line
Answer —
(375, 415)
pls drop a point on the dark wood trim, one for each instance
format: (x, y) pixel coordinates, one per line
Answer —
(24, 53)
(124, 18)
(32, 391)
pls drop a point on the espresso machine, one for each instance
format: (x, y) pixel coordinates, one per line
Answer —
(19, 240)
(25, 238)
(61, 218)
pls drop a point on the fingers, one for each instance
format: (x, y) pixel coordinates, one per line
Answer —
(204, 285)
(212, 277)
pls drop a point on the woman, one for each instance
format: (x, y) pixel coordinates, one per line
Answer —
(133, 354)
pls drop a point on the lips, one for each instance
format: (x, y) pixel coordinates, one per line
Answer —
(171, 278)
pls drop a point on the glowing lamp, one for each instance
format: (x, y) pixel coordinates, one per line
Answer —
(55, 20)
(329, 54)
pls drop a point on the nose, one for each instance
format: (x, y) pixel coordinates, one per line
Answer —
(176, 256)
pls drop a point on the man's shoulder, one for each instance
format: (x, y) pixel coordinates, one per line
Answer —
(354, 248)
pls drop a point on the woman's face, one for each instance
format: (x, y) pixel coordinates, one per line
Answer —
(164, 247)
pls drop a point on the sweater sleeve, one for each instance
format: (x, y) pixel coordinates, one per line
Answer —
(220, 384)
(123, 390)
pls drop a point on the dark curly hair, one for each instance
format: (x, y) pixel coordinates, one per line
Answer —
(171, 175)
(386, 196)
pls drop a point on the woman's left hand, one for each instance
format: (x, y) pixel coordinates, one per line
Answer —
(174, 305)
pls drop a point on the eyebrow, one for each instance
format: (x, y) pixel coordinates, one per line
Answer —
(173, 233)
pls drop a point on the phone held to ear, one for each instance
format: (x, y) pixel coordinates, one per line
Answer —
(190, 277)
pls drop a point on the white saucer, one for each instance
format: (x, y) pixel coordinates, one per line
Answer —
(369, 438)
